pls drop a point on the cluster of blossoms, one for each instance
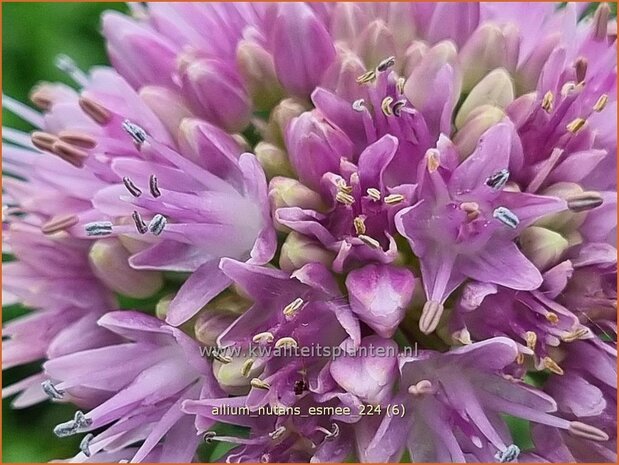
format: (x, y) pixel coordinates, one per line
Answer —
(439, 176)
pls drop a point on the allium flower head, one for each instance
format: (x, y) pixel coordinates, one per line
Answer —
(323, 232)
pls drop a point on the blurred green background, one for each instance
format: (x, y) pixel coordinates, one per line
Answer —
(32, 35)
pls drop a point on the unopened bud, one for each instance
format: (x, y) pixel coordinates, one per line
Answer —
(288, 192)
(110, 262)
(273, 160)
(542, 246)
(281, 115)
(167, 105)
(258, 71)
(479, 121)
(210, 325)
(298, 250)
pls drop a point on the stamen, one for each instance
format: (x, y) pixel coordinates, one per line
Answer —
(552, 318)
(154, 186)
(97, 113)
(136, 132)
(385, 64)
(509, 455)
(422, 387)
(220, 357)
(209, 436)
(247, 366)
(584, 201)
(157, 224)
(498, 180)
(585, 431)
(531, 339)
(581, 69)
(553, 366)
(277, 433)
(265, 458)
(359, 224)
(367, 77)
(66, 64)
(430, 316)
(576, 125)
(385, 106)
(506, 216)
(520, 358)
(399, 85)
(286, 342)
(463, 337)
(433, 158)
(342, 186)
(77, 138)
(334, 433)
(59, 223)
(43, 140)
(358, 105)
(40, 97)
(70, 153)
(579, 333)
(471, 209)
(51, 391)
(600, 22)
(369, 241)
(140, 225)
(131, 187)
(344, 198)
(397, 107)
(374, 194)
(99, 228)
(265, 337)
(85, 444)
(601, 103)
(71, 427)
(548, 101)
(292, 308)
(568, 88)
(259, 384)
(394, 199)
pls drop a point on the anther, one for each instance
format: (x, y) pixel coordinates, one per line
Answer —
(552, 318)
(69, 153)
(463, 336)
(385, 64)
(551, 365)
(433, 158)
(41, 97)
(578, 333)
(154, 186)
(430, 316)
(601, 103)
(548, 101)
(397, 107)
(394, 199)
(385, 106)
(520, 358)
(43, 140)
(581, 69)
(399, 85)
(345, 199)
(286, 342)
(369, 241)
(131, 187)
(85, 444)
(265, 337)
(140, 225)
(209, 436)
(422, 387)
(247, 366)
(157, 224)
(498, 180)
(342, 186)
(77, 138)
(373, 193)
(531, 339)
(66, 64)
(509, 455)
(277, 433)
(136, 132)
(359, 224)
(585, 431)
(334, 433)
(576, 125)
(99, 228)
(358, 105)
(59, 223)
(471, 209)
(71, 427)
(51, 390)
(367, 77)
(506, 216)
(600, 22)
(220, 357)
(96, 112)
(293, 307)
(584, 201)
(259, 384)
